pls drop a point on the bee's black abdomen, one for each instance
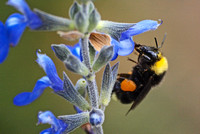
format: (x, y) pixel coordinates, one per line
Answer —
(157, 79)
(121, 95)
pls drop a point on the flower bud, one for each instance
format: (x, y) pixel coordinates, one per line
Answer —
(96, 117)
(91, 6)
(81, 85)
(74, 9)
(94, 19)
(81, 22)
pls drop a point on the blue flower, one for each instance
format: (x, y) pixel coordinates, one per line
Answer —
(76, 50)
(78, 110)
(125, 45)
(52, 80)
(57, 126)
(29, 17)
(4, 47)
(11, 32)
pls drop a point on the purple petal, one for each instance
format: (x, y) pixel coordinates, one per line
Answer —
(140, 27)
(15, 26)
(75, 50)
(34, 21)
(47, 131)
(125, 47)
(4, 45)
(116, 49)
(47, 117)
(21, 6)
(47, 64)
(31, 18)
(28, 97)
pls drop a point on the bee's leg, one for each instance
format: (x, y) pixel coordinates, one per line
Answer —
(132, 60)
(125, 75)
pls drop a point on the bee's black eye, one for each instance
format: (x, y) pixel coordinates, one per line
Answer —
(147, 57)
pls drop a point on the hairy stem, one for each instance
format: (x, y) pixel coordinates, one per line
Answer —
(85, 51)
(99, 130)
(92, 88)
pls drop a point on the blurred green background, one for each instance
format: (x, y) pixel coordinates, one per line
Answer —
(171, 108)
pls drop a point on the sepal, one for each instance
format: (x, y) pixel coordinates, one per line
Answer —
(53, 23)
(61, 51)
(105, 55)
(71, 35)
(109, 78)
(92, 53)
(71, 62)
(115, 72)
(105, 86)
(113, 28)
(72, 95)
(75, 121)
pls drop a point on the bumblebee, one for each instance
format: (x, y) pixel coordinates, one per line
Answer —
(148, 72)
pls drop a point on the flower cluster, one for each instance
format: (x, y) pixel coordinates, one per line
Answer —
(99, 42)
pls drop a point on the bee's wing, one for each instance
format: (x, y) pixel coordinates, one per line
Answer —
(124, 75)
(142, 95)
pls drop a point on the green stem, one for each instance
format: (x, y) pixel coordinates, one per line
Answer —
(92, 88)
(99, 130)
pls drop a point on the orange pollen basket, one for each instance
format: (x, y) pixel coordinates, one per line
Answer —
(128, 85)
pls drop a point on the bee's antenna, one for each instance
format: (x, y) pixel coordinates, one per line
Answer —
(163, 40)
(156, 42)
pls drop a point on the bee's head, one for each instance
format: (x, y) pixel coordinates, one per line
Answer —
(149, 55)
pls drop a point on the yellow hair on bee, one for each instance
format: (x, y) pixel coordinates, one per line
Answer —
(160, 66)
